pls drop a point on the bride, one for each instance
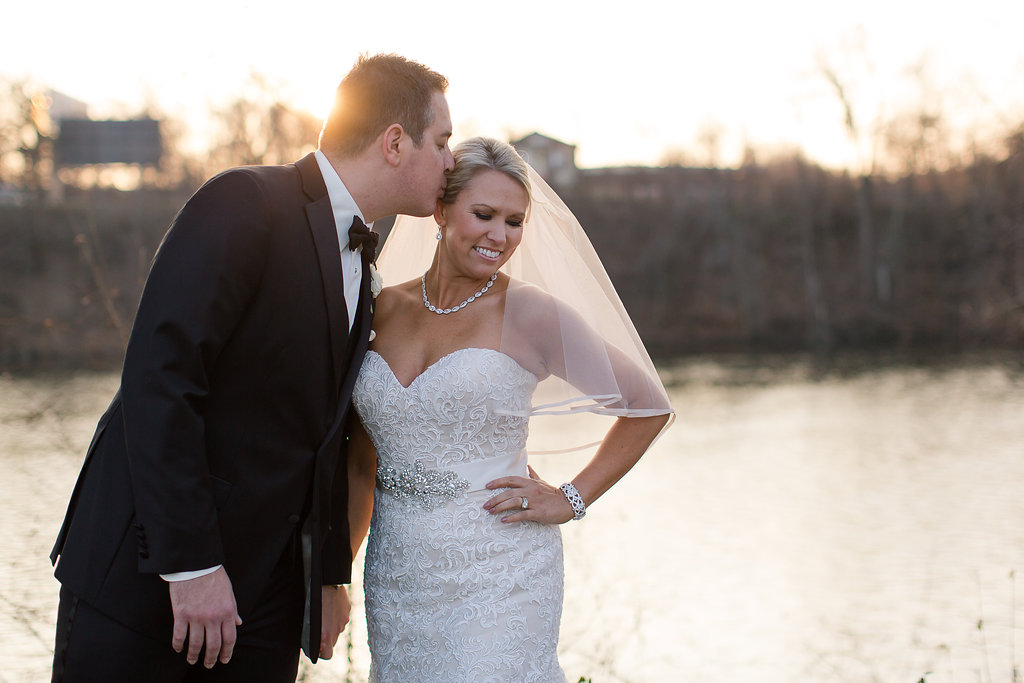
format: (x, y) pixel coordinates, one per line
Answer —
(513, 317)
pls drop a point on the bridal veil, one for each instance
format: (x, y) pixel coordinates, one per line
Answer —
(559, 290)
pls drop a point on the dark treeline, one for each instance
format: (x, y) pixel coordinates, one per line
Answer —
(74, 252)
(779, 255)
(789, 256)
(71, 275)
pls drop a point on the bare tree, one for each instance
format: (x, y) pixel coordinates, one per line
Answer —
(25, 142)
(809, 188)
(260, 127)
(865, 223)
(741, 256)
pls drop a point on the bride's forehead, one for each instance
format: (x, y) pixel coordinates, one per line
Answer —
(495, 187)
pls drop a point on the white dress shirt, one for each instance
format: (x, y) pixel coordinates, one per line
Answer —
(345, 209)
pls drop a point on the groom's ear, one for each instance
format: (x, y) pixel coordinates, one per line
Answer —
(391, 143)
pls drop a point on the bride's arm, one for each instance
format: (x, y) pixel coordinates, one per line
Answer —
(362, 476)
(561, 339)
(626, 441)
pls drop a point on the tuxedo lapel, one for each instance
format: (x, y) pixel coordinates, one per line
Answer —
(355, 350)
(347, 350)
(325, 238)
(361, 330)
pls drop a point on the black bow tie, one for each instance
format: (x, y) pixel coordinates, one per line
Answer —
(361, 236)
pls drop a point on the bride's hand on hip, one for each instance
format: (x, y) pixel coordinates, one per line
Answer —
(528, 500)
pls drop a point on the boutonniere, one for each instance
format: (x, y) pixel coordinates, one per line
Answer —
(376, 281)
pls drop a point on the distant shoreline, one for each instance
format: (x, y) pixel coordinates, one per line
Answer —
(724, 368)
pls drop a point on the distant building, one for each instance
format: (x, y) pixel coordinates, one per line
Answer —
(658, 184)
(62, 106)
(75, 147)
(553, 159)
(86, 141)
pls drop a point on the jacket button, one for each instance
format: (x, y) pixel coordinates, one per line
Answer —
(144, 554)
(294, 519)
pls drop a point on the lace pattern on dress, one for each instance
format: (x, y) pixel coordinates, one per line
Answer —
(452, 593)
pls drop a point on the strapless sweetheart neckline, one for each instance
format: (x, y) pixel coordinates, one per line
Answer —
(441, 361)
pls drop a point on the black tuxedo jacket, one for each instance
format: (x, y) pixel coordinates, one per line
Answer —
(226, 439)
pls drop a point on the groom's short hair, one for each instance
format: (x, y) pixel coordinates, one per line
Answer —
(380, 90)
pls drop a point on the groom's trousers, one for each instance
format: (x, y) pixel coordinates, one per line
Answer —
(92, 647)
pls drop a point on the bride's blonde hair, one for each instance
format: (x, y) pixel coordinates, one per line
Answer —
(484, 154)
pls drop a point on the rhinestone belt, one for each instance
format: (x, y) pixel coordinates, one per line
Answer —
(429, 488)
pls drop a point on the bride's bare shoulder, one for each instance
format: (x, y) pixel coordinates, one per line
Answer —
(531, 304)
(396, 297)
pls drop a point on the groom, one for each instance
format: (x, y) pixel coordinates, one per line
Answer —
(207, 536)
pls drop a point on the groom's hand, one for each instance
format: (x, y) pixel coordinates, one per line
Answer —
(205, 609)
(336, 608)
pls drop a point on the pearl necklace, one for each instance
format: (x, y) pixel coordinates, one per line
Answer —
(445, 311)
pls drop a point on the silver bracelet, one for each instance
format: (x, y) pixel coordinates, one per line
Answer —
(579, 508)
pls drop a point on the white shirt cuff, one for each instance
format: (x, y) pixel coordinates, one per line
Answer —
(184, 576)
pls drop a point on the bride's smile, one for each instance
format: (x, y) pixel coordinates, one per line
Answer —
(488, 253)
(483, 227)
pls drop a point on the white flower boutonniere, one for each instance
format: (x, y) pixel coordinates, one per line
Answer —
(376, 281)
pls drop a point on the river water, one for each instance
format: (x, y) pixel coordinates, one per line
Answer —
(856, 523)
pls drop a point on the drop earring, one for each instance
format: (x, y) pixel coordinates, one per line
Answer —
(439, 236)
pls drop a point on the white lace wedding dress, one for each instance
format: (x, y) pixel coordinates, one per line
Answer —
(452, 593)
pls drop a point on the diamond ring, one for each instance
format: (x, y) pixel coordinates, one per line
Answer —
(526, 503)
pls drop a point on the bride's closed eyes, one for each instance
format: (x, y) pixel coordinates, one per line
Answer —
(484, 216)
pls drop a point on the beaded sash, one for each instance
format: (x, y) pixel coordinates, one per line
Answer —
(432, 488)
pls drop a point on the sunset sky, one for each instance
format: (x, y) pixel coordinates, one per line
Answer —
(626, 82)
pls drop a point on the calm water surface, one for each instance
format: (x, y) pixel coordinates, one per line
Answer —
(793, 525)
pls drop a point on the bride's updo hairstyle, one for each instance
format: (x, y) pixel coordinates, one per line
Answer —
(484, 154)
